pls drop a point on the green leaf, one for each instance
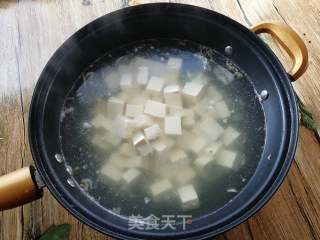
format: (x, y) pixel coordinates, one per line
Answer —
(56, 232)
(306, 117)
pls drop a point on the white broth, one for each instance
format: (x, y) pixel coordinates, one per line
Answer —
(162, 127)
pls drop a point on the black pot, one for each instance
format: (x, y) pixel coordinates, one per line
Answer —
(154, 21)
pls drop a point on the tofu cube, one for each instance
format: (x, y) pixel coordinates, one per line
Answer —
(162, 145)
(172, 95)
(133, 110)
(203, 161)
(213, 148)
(101, 142)
(167, 171)
(213, 93)
(111, 172)
(138, 98)
(211, 128)
(123, 127)
(141, 144)
(184, 175)
(223, 74)
(198, 144)
(142, 75)
(157, 98)
(178, 156)
(229, 135)
(160, 189)
(100, 121)
(175, 63)
(186, 139)
(188, 197)
(153, 132)
(142, 121)
(126, 81)
(131, 175)
(222, 111)
(126, 150)
(125, 162)
(113, 138)
(172, 125)
(188, 118)
(175, 111)
(228, 159)
(155, 85)
(192, 92)
(155, 109)
(115, 107)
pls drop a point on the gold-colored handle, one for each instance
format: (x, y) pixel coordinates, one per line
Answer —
(291, 42)
(18, 188)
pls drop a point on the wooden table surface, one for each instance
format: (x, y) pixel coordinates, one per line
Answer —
(30, 31)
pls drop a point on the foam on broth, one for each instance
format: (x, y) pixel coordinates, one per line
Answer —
(216, 185)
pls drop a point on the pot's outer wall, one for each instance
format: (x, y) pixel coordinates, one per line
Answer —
(165, 21)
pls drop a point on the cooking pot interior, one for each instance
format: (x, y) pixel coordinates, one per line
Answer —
(163, 21)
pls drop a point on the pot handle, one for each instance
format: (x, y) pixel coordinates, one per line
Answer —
(19, 187)
(290, 41)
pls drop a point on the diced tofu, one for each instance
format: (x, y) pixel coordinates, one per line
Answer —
(103, 122)
(172, 95)
(142, 121)
(175, 111)
(126, 81)
(178, 156)
(222, 111)
(167, 171)
(156, 68)
(112, 81)
(192, 92)
(101, 142)
(223, 74)
(203, 161)
(126, 150)
(186, 139)
(157, 98)
(125, 162)
(162, 145)
(188, 118)
(153, 132)
(155, 109)
(184, 175)
(115, 107)
(133, 110)
(201, 79)
(211, 128)
(198, 144)
(142, 75)
(111, 172)
(138, 98)
(113, 139)
(141, 144)
(160, 188)
(175, 63)
(213, 148)
(131, 175)
(188, 197)
(227, 159)
(155, 85)
(100, 108)
(123, 127)
(213, 94)
(172, 125)
(229, 135)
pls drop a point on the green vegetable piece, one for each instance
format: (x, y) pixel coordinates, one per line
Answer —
(56, 232)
